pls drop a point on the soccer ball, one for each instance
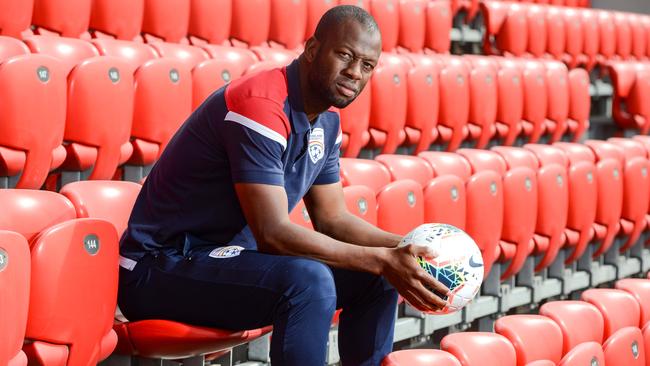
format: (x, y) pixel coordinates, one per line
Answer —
(459, 264)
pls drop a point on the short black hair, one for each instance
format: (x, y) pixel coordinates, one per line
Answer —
(334, 17)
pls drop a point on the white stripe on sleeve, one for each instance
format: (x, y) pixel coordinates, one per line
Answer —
(257, 127)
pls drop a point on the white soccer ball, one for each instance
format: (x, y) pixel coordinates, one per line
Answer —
(459, 264)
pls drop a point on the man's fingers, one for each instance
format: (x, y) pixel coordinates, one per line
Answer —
(431, 299)
(425, 251)
(434, 284)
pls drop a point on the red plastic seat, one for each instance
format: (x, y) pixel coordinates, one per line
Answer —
(210, 75)
(623, 35)
(210, 21)
(579, 321)
(454, 104)
(69, 51)
(163, 100)
(300, 216)
(68, 18)
(279, 56)
(574, 30)
(639, 35)
(510, 102)
(483, 86)
(438, 25)
(360, 201)
(480, 348)
(15, 17)
(557, 81)
(369, 173)
(121, 19)
(556, 32)
(591, 38)
(14, 279)
(506, 28)
(607, 31)
(624, 79)
(407, 167)
(166, 20)
(588, 353)
(640, 289)
(519, 202)
(534, 337)
(494, 15)
(136, 53)
(10, 47)
(412, 25)
(107, 200)
(420, 357)
(240, 58)
(77, 257)
(389, 104)
(188, 55)
(422, 104)
(288, 22)
(32, 101)
(535, 99)
(537, 29)
(400, 206)
(386, 14)
(251, 21)
(355, 119)
(315, 10)
(579, 104)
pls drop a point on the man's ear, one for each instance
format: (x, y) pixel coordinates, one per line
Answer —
(311, 49)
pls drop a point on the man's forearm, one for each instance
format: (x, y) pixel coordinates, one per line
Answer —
(352, 229)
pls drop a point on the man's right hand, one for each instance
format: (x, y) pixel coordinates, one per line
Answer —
(412, 281)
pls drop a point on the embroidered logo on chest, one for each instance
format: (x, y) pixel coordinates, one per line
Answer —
(316, 144)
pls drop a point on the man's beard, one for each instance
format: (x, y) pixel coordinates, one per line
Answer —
(324, 91)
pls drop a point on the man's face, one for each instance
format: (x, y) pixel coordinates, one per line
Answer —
(344, 63)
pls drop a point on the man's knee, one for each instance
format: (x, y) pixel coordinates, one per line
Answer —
(307, 280)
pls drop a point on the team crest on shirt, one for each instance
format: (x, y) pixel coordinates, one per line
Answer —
(316, 144)
(226, 252)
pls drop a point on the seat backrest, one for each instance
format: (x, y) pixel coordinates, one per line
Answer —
(79, 259)
(133, 52)
(454, 95)
(69, 18)
(412, 24)
(121, 19)
(100, 111)
(534, 337)
(537, 29)
(556, 32)
(208, 76)
(407, 167)
(420, 357)
(445, 201)
(14, 280)
(422, 104)
(189, 55)
(640, 289)
(574, 31)
(369, 173)
(480, 348)
(446, 163)
(588, 353)
(107, 200)
(167, 20)
(618, 307)
(513, 35)
(251, 21)
(360, 201)
(623, 34)
(400, 207)
(210, 20)
(315, 10)
(510, 101)
(32, 101)
(386, 14)
(15, 17)
(590, 35)
(494, 15)
(483, 98)
(10, 47)
(355, 119)
(639, 35)
(288, 22)
(579, 322)
(535, 93)
(607, 32)
(557, 82)
(579, 100)
(438, 25)
(69, 51)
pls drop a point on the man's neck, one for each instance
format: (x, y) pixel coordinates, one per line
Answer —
(311, 107)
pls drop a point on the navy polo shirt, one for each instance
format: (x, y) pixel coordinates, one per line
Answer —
(253, 130)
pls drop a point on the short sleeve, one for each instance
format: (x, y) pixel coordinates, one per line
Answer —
(254, 137)
(331, 170)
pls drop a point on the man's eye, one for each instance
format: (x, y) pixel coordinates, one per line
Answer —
(368, 67)
(345, 56)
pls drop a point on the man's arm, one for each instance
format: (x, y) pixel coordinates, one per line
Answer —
(266, 210)
(330, 216)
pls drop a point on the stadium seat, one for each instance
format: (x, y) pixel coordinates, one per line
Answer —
(251, 22)
(555, 32)
(407, 167)
(484, 193)
(188, 55)
(280, 56)
(166, 20)
(133, 52)
(591, 38)
(400, 207)
(623, 35)
(10, 46)
(625, 78)
(99, 115)
(68, 18)
(640, 289)
(422, 104)
(639, 36)
(163, 100)
(32, 101)
(557, 82)
(588, 353)
(537, 30)
(210, 21)
(288, 23)
(355, 119)
(360, 201)
(519, 202)
(623, 340)
(420, 357)
(510, 102)
(300, 216)
(120, 19)
(579, 321)
(438, 26)
(507, 24)
(69, 51)
(14, 280)
(454, 104)
(574, 30)
(389, 104)
(15, 17)
(364, 4)
(387, 16)
(315, 10)
(535, 99)
(579, 104)
(607, 31)
(107, 200)
(239, 58)
(412, 25)
(263, 65)
(75, 257)
(369, 173)
(535, 337)
(483, 87)
(210, 75)
(480, 348)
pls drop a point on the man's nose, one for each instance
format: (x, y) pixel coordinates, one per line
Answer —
(353, 70)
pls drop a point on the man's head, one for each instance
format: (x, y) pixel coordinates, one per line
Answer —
(340, 56)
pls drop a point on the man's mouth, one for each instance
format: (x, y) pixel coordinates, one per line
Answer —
(346, 90)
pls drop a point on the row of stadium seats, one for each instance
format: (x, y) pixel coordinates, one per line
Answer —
(573, 35)
(631, 84)
(609, 327)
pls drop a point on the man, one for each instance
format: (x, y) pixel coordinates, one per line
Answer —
(210, 243)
